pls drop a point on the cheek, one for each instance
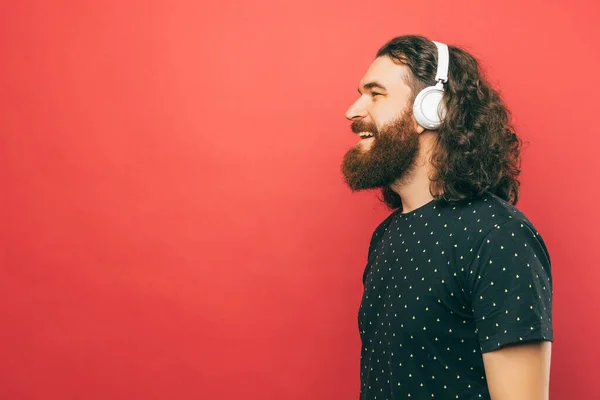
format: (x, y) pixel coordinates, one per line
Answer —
(386, 114)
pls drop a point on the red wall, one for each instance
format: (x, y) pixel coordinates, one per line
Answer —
(173, 220)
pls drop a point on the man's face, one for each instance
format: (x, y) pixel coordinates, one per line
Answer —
(389, 136)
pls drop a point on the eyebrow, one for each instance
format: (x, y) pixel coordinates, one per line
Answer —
(372, 85)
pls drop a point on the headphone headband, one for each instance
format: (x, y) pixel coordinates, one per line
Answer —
(443, 62)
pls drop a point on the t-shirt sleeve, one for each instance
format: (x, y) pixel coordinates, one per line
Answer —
(510, 284)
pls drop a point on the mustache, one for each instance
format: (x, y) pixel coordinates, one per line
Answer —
(362, 126)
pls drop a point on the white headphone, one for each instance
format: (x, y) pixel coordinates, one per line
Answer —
(429, 109)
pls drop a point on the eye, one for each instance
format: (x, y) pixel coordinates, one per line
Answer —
(375, 94)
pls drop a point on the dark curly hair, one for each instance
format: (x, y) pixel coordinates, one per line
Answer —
(477, 149)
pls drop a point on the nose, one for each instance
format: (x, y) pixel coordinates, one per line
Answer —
(356, 111)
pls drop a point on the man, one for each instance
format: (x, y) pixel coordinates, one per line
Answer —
(457, 288)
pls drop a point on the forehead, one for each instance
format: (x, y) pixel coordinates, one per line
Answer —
(386, 72)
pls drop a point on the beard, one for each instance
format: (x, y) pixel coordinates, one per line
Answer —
(390, 158)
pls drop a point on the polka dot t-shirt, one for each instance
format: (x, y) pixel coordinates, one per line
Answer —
(444, 284)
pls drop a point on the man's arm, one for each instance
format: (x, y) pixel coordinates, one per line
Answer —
(519, 372)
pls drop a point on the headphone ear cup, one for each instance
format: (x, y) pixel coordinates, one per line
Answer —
(429, 109)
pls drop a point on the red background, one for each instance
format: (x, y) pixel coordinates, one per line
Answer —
(173, 220)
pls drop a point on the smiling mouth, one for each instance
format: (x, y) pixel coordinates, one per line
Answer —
(365, 135)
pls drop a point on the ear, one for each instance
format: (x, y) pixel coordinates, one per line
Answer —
(418, 128)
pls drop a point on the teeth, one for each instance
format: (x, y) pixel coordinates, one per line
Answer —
(365, 134)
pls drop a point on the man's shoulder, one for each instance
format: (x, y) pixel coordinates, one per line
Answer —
(473, 218)
(486, 212)
(470, 221)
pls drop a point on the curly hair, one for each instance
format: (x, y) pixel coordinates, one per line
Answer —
(477, 149)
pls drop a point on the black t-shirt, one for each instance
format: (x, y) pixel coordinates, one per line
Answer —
(444, 284)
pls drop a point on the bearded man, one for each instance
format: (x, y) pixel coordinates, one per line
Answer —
(457, 300)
